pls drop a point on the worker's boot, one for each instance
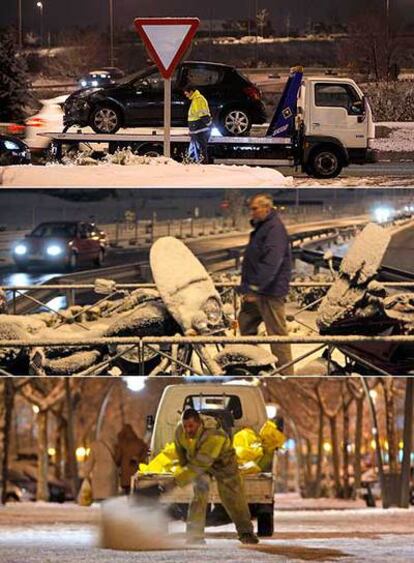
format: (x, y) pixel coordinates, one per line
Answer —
(248, 538)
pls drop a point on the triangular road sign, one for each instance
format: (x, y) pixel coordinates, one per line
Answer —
(166, 40)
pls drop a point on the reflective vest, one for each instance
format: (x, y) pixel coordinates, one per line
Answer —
(199, 117)
(211, 452)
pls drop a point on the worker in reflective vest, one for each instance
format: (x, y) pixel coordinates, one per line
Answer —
(204, 451)
(199, 124)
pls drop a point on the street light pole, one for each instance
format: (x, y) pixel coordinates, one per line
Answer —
(20, 25)
(40, 6)
(111, 32)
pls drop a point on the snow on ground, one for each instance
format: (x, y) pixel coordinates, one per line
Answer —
(163, 173)
(42, 533)
(400, 138)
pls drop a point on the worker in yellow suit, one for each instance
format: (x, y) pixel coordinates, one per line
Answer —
(204, 451)
(199, 124)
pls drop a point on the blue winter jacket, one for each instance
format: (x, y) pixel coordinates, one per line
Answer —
(267, 263)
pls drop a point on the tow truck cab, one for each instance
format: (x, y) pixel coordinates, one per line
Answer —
(335, 120)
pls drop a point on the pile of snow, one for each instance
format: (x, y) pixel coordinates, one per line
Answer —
(399, 139)
(153, 172)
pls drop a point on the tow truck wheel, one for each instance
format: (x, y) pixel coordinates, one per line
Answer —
(324, 162)
(265, 521)
(235, 122)
(105, 119)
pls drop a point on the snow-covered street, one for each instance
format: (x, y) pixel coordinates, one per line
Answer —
(43, 533)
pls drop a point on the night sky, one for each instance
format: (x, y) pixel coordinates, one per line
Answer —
(59, 14)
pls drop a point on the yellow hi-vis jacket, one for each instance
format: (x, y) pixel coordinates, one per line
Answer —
(210, 452)
(199, 117)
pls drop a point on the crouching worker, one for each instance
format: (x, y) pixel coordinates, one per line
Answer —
(199, 124)
(204, 451)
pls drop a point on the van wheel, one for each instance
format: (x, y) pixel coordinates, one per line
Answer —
(265, 522)
(324, 163)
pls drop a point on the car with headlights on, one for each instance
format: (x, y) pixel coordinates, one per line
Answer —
(138, 100)
(13, 151)
(63, 244)
(101, 77)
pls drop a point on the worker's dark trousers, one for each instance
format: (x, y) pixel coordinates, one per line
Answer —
(200, 143)
(271, 311)
(231, 492)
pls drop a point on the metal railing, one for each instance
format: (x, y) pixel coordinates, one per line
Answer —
(141, 347)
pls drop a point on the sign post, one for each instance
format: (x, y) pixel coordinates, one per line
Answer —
(166, 41)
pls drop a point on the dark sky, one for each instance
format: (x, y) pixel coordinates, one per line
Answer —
(67, 13)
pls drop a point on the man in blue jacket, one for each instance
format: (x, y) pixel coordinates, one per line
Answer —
(266, 273)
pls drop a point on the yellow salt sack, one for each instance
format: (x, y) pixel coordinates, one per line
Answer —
(163, 462)
(271, 437)
(247, 446)
(170, 451)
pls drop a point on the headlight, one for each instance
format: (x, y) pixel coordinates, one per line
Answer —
(84, 83)
(212, 308)
(20, 249)
(54, 250)
(94, 83)
(11, 145)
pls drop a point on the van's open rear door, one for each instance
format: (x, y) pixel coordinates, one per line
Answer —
(283, 120)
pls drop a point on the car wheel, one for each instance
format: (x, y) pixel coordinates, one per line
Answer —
(324, 163)
(72, 263)
(235, 122)
(105, 119)
(99, 260)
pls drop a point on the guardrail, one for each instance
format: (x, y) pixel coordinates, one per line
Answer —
(158, 346)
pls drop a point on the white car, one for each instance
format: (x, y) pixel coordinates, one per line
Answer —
(48, 118)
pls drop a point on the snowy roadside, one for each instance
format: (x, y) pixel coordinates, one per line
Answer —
(160, 173)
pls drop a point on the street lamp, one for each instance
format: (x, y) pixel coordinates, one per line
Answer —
(39, 5)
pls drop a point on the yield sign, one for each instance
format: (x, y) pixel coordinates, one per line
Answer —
(166, 40)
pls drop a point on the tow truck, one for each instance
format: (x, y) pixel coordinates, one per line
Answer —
(237, 406)
(320, 125)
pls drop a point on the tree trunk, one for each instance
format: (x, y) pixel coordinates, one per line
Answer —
(335, 455)
(345, 451)
(6, 410)
(73, 465)
(408, 443)
(319, 458)
(388, 385)
(358, 444)
(42, 492)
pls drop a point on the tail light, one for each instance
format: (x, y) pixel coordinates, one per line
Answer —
(253, 93)
(35, 122)
(15, 129)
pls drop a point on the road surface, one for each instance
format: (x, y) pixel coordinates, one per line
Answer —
(40, 533)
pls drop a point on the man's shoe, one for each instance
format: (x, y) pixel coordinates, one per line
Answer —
(249, 538)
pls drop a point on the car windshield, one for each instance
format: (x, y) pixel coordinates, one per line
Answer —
(130, 78)
(54, 230)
